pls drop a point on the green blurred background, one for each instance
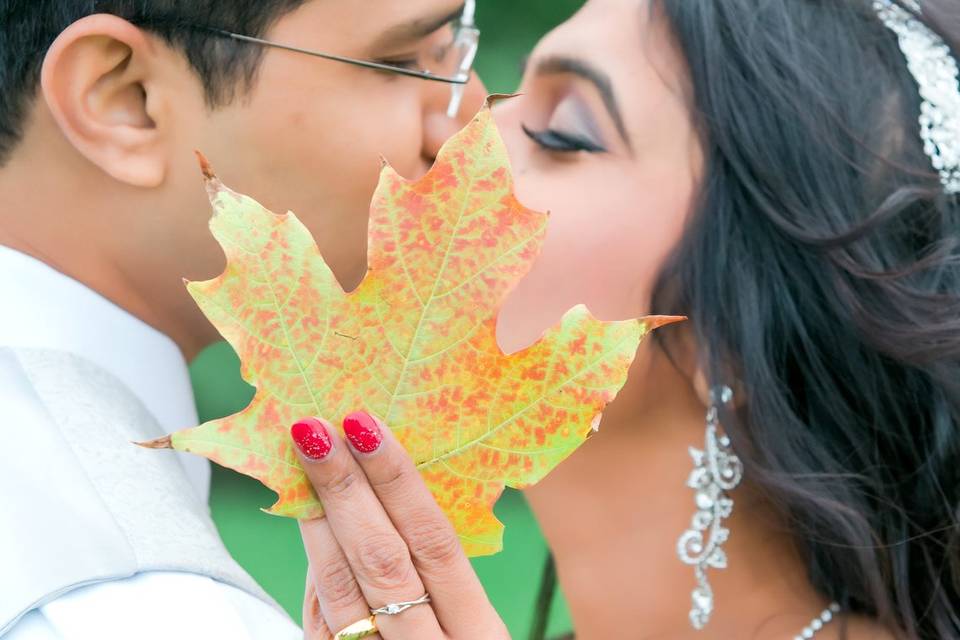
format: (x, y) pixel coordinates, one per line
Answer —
(269, 547)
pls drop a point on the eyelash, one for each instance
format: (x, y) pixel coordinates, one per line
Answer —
(553, 140)
(409, 63)
(413, 63)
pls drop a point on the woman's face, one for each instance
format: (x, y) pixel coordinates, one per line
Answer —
(602, 138)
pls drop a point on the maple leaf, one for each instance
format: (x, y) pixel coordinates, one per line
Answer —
(414, 344)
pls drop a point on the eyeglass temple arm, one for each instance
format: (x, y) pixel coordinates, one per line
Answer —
(467, 21)
(469, 13)
(330, 56)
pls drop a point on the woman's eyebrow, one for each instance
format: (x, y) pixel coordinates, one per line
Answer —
(583, 69)
(416, 29)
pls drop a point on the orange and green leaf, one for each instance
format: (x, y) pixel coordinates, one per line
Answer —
(414, 344)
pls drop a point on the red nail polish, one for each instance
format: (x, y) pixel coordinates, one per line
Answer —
(362, 431)
(312, 438)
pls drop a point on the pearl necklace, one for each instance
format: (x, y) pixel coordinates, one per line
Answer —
(817, 623)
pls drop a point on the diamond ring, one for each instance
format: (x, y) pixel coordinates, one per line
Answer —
(394, 608)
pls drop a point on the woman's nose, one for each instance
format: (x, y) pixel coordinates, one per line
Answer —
(438, 127)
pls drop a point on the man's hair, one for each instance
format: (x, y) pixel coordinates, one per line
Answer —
(226, 67)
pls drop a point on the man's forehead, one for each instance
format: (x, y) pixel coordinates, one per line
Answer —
(398, 18)
(413, 19)
(368, 27)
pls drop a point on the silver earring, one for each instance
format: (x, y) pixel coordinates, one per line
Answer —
(717, 469)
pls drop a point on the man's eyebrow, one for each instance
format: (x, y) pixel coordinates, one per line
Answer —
(599, 79)
(415, 29)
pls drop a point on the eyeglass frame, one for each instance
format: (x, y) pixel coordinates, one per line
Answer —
(465, 33)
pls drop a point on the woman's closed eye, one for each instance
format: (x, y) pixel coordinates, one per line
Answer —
(555, 140)
(569, 126)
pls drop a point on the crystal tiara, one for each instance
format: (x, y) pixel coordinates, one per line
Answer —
(935, 70)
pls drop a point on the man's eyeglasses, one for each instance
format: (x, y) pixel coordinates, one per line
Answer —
(451, 62)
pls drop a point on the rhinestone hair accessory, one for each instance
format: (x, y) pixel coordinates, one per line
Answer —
(935, 70)
(716, 470)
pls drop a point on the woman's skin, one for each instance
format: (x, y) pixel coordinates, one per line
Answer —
(613, 511)
(611, 86)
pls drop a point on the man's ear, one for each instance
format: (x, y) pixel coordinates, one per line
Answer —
(96, 80)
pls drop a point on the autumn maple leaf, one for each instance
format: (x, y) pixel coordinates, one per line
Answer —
(414, 344)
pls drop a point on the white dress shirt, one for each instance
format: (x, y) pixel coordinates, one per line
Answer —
(44, 309)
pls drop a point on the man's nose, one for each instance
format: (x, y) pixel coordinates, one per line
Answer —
(437, 126)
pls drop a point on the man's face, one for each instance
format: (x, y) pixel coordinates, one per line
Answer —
(309, 136)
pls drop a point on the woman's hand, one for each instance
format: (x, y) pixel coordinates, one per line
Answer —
(383, 540)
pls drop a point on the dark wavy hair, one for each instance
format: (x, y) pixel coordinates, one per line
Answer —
(821, 271)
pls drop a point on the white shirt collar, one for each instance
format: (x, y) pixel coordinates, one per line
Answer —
(43, 308)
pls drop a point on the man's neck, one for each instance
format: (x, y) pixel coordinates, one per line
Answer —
(55, 216)
(93, 270)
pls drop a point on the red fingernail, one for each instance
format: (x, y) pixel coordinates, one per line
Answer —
(312, 438)
(362, 431)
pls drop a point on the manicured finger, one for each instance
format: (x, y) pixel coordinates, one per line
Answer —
(338, 595)
(377, 555)
(433, 543)
(314, 624)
